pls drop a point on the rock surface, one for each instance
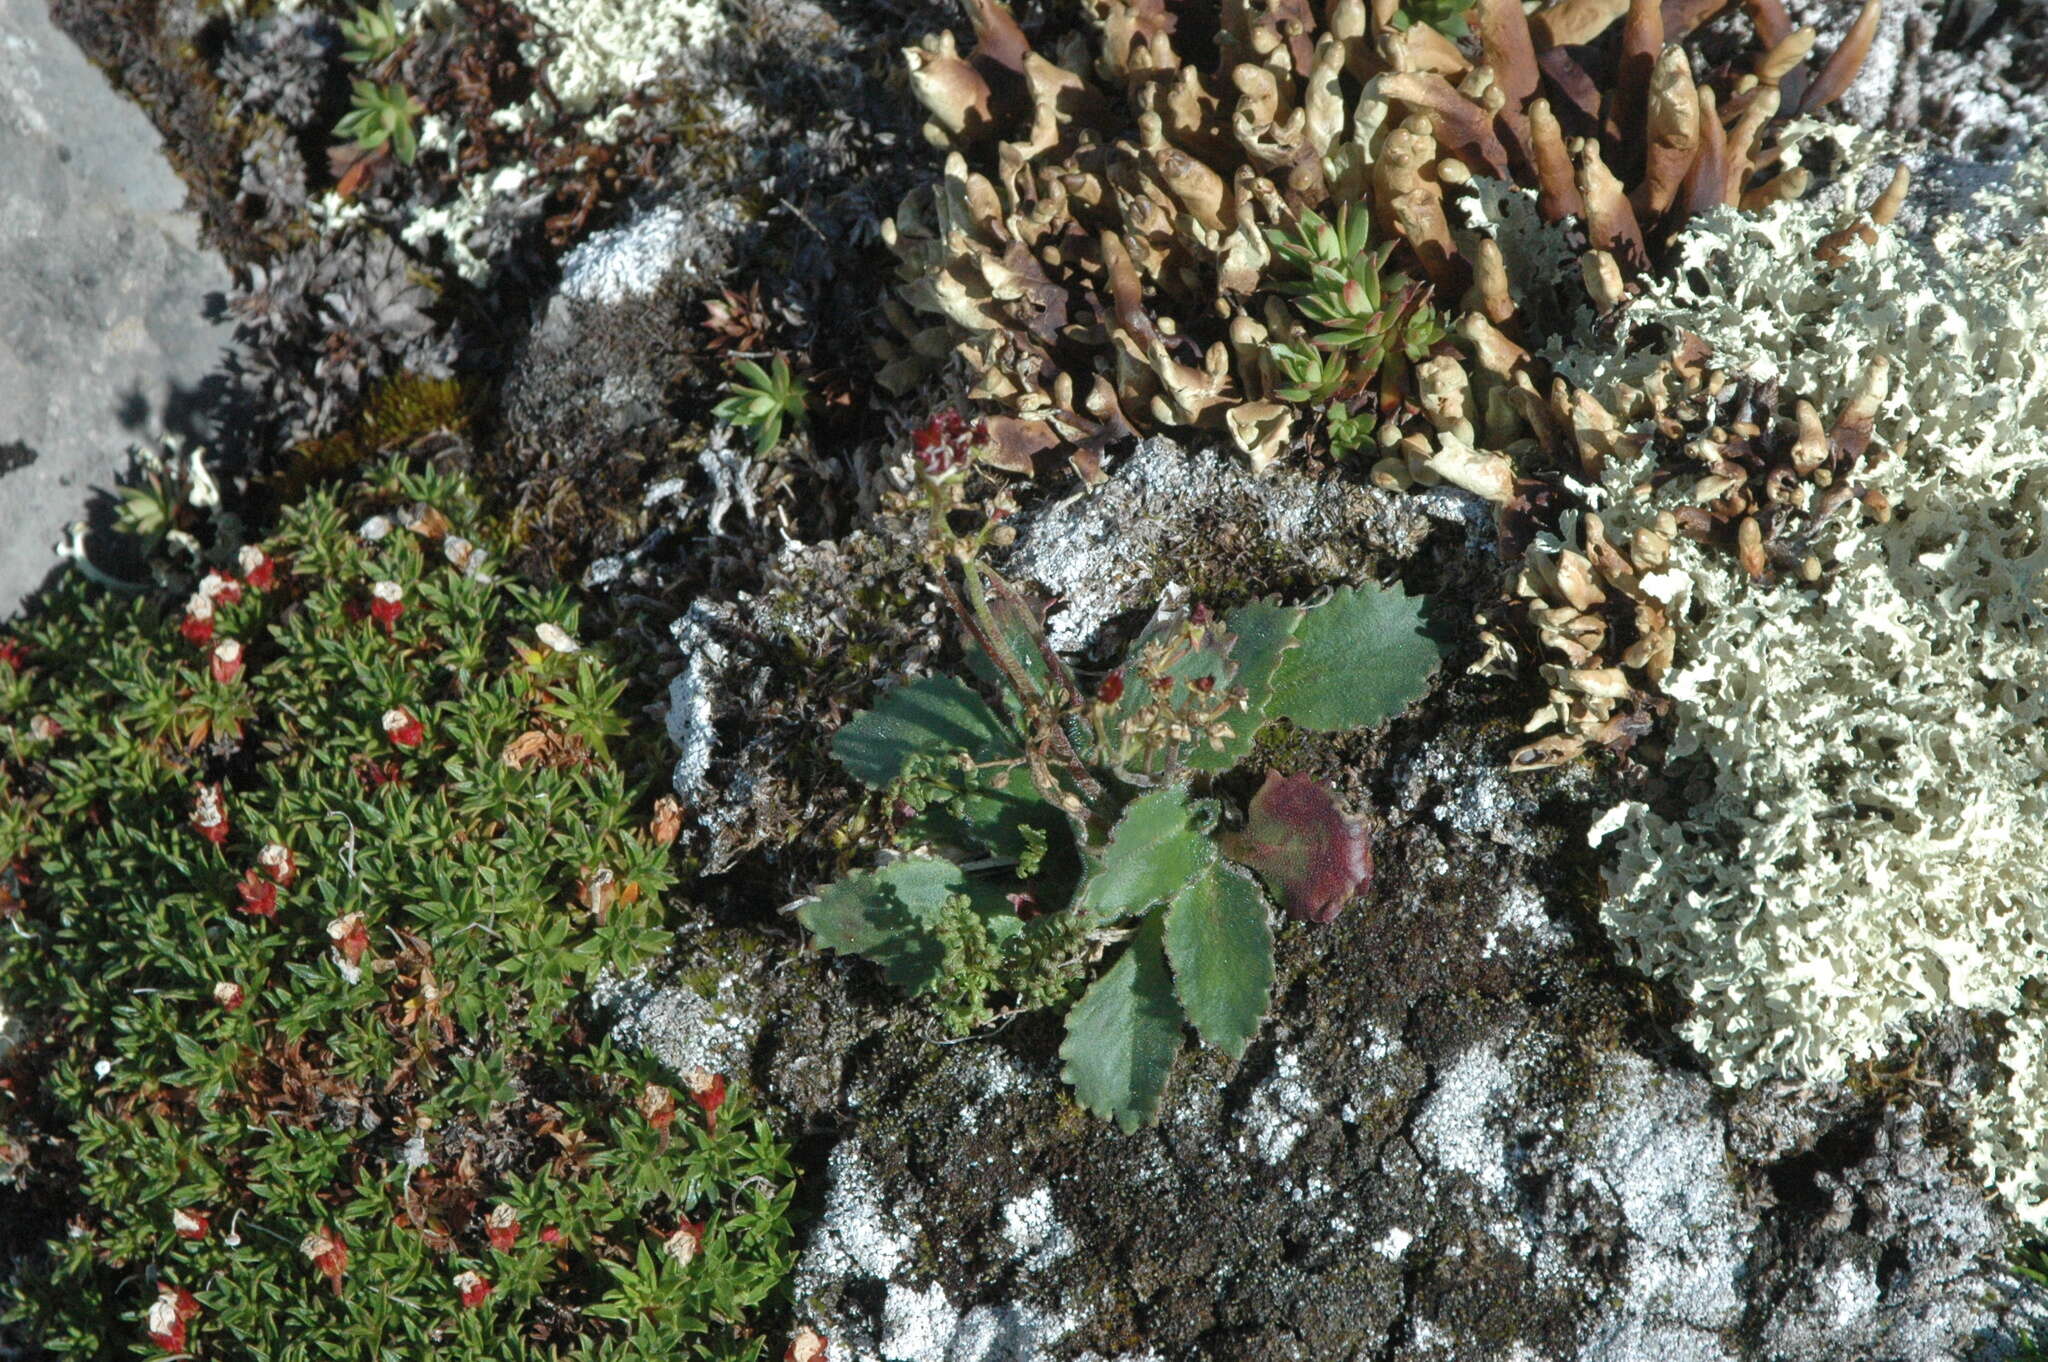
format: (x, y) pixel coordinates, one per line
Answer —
(102, 291)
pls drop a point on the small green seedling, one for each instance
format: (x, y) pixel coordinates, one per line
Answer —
(1050, 833)
(761, 399)
(381, 114)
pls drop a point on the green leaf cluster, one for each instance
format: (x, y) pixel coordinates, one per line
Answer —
(372, 35)
(1360, 318)
(760, 400)
(380, 113)
(1049, 833)
(198, 1040)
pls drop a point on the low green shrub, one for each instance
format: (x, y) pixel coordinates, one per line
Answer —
(305, 878)
(1038, 835)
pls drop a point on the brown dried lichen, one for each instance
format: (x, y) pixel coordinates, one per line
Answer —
(1096, 251)
(1756, 476)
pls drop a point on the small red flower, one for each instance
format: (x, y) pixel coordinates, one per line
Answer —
(387, 603)
(808, 1346)
(375, 773)
(945, 444)
(197, 626)
(551, 1236)
(474, 1287)
(502, 1225)
(277, 861)
(707, 1089)
(259, 569)
(684, 1243)
(169, 1313)
(402, 727)
(658, 1105)
(351, 937)
(229, 994)
(210, 814)
(227, 661)
(259, 896)
(220, 588)
(190, 1224)
(13, 654)
(1112, 688)
(328, 1253)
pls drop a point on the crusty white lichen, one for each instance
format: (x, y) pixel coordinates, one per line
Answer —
(1864, 847)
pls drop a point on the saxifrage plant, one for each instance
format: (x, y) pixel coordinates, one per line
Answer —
(303, 882)
(1058, 827)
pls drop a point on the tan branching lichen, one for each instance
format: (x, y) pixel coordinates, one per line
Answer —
(1096, 251)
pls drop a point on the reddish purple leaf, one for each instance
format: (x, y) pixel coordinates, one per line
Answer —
(1313, 856)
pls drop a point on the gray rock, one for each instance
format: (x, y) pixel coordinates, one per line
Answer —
(102, 287)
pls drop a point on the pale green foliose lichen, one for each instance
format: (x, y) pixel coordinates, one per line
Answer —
(1869, 849)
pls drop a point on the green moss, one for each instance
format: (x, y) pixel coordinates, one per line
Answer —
(399, 412)
(300, 959)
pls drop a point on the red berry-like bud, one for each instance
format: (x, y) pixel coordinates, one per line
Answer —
(226, 663)
(229, 995)
(259, 896)
(220, 588)
(387, 603)
(328, 1253)
(707, 1089)
(189, 1224)
(684, 1243)
(277, 861)
(259, 569)
(551, 1236)
(474, 1287)
(13, 655)
(210, 814)
(658, 1105)
(197, 626)
(1112, 688)
(402, 727)
(502, 1225)
(351, 937)
(169, 1313)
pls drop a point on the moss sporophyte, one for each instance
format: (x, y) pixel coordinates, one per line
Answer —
(1064, 845)
(302, 906)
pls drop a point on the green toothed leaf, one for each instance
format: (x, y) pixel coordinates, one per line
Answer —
(1362, 657)
(1123, 1034)
(1221, 947)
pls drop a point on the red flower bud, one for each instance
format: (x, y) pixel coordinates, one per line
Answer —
(173, 1307)
(43, 728)
(474, 1287)
(328, 1253)
(278, 862)
(259, 896)
(220, 588)
(551, 1236)
(387, 603)
(197, 626)
(227, 661)
(259, 569)
(658, 1105)
(402, 728)
(708, 1091)
(229, 994)
(1112, 688)
(684, 1243)
(502, 1225)
(13, 655)
(351, 937)
(189, 1224)
(210, 814)
(807, 1346)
